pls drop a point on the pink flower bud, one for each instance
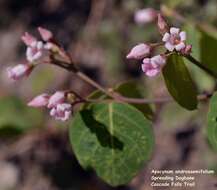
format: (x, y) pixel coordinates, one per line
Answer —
(162, 25)
(56, 98)
(28, 39)
(186, 50)
(39, 101)
(45, 34)
(144, 16)
(139, 51)
(19, 71)
(61, 111)
(152, 66)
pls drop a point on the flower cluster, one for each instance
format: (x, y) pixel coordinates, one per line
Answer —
(58, 104)
(44, 51)
(61, 103)
(172, 38)
(36, 52)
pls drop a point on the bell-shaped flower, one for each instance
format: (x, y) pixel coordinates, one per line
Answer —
(61, 111)
(175, 40)
(152, 66)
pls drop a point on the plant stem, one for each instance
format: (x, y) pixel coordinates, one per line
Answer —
(200, 65)
(88, 80)
(119, 98)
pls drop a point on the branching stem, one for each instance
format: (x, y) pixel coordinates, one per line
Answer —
(116, 96)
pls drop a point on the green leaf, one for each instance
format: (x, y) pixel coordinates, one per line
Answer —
(203, 80)
(208, 46)
(114, 139)
(204, 45)
(193, 38)
(212, 122)
(16, 117)
(131, 90)
(179, 82)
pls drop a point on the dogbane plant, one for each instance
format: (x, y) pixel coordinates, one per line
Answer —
(112, 131)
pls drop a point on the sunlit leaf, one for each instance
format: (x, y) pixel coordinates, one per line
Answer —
(114, 139)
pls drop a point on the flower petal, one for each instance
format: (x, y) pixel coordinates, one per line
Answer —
(169, 46)
(182, 35)
(174, 30)
(152, 72)
(45, 34)
(144, 67)
(146, 61)
(166, 37)
(57, 98)
(180, 46)
(158, 60)
(28, 39)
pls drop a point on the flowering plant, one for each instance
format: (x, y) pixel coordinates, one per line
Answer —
(112, 129)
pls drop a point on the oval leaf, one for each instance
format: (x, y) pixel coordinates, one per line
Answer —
(212, 122)
(204, 43)
(203, 79)
(131, 90)
(208, 46)
(114, 139)
(179, 82)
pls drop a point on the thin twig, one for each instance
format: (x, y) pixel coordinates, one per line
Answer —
(120, 98)
(201, 65)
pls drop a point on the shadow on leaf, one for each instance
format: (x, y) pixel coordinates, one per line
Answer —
(103, 135)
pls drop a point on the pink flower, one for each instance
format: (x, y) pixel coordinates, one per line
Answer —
(39, 101)
(61, 111)
(19, 71)
(152, 66)
(28, 39)
(144, 16)
(162, 25)
(45, 34)
(57, 98)
(175, 39)
(35, 51)
(139, 51)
